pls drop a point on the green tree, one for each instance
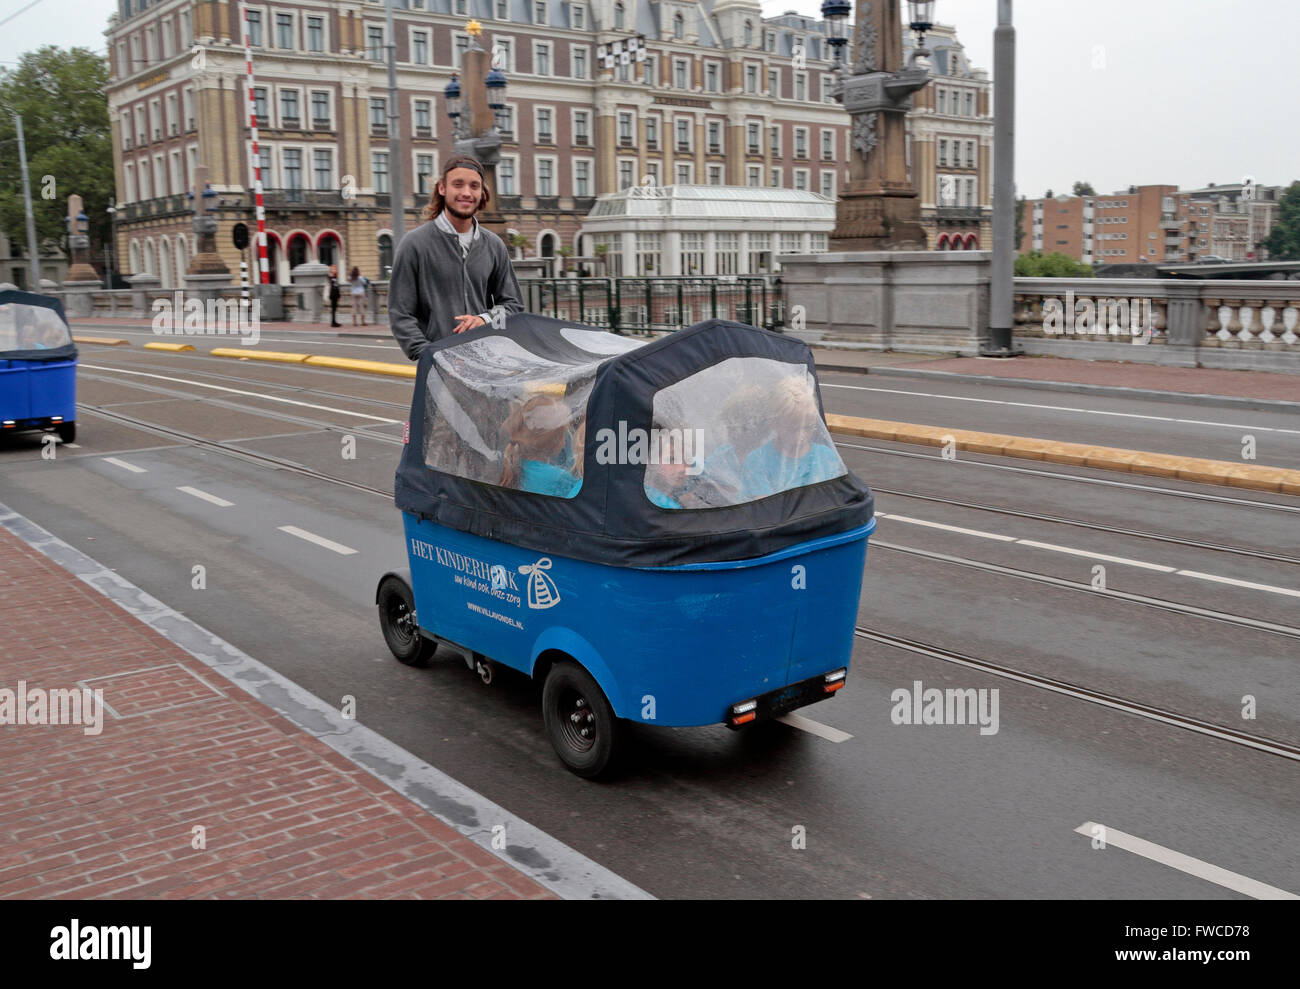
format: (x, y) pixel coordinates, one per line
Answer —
(1283, 241)
(61, 98)
(521, 242)
(1084, 189)
(1036, 264)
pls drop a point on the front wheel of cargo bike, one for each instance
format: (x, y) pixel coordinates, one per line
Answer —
(398, 623)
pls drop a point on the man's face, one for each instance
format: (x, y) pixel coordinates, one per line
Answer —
(462, 191)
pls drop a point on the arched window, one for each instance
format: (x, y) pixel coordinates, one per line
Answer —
(328, 248)
(149, 265)
(385, 256)
(943, 243)
(297, 250)
(618, 17)
(182, 257)
(679, 26)
(972, 242)
(548, 246)
(749, 33)
(133, 253)
(165, 263)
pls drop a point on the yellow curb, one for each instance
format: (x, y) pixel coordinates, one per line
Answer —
(369, 367)
(1253, 476)
(103, 341)
(174, 347)
(244, 353)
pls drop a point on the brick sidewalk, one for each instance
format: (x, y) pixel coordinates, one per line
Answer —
(113, 814)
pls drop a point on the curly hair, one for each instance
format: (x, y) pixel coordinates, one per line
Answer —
(437, 203)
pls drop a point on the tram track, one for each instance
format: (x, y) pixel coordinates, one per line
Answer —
(1223, 732)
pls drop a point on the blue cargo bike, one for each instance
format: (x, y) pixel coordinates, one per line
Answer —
(38, 366)
(657, 532)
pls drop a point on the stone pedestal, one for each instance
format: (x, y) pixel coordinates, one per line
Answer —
(923, 301)
(141, 284)
(309, 280)
(272, 299)
(206, 286)
(79, 298)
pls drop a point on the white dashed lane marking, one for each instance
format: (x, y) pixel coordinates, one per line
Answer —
(1184, 863)
(814, 727)
(219, 502)
(125, 466)
(311, 537)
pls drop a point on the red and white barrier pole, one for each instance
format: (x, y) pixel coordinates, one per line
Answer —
(263, 265)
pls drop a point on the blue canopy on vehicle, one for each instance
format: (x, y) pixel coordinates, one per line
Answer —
(33, 328)
(706, 445)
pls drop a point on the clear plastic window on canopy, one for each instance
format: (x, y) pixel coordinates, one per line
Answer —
(746, 428)
(24, 327)
(499, 414)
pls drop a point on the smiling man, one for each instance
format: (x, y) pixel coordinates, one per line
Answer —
(449, 275)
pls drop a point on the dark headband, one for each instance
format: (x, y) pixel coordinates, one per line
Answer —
(464, 162)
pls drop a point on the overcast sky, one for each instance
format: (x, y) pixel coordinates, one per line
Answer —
(1184, 91)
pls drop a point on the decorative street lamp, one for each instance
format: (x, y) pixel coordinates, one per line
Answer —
(835, 13)
(452, 97)
(112, 240)
(879, 208)
(496, 89)
(206, 263)
(78, 226)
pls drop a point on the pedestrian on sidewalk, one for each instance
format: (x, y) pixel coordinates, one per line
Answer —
(334, 295)
(360, 285)
(449, 274)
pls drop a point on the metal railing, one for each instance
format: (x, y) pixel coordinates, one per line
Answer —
(645, 305)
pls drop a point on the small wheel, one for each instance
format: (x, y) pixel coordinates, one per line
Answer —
(398, 622)
(67, 431)
(579, 720)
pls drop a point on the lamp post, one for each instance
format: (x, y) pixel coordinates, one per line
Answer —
(878, 208)
(111, 246)
(474, 107)
(1002, 267)
(206, 271)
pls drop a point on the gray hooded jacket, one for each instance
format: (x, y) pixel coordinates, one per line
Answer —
(434, 280)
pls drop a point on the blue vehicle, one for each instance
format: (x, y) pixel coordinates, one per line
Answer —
(38, 366)
(657, 532)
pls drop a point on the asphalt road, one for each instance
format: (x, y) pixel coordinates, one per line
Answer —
(979, 556)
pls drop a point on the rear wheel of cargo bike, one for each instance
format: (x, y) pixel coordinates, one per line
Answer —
(579, 720)
(398, 623)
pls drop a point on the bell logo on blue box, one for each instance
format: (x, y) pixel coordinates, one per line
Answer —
(542, 592)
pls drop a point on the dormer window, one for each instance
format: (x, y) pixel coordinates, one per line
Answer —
(679, 26)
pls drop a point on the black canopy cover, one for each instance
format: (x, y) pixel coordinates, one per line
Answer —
(33, 328)
(467, 385)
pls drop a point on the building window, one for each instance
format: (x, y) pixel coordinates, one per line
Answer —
(749, 33)
(506, 121)
(760, 247)
(284, 30)
(378, 115)
(727, 252)
(504, 47)
(506, 176)
(423, 118)
(545, 177)
(774, 140)
(828, 185)
(754, 175)
(647, 253)
(685, 173)
(580, 135)
(801, 179)
(800, 86)
(375, 43)
(943, 151)
(259, 105)
(683, 134)
(462, 7)
(679, 27)
(715, 175)
(379, 168)
(652, 133)
(292, 168)
(970, 154)
(774, 178)
(752, 139)
(828, 145)
(625, 129)
(541, 58)
(801, 142)
(503, 10)
(618, 17)
(539, 11)
(315, 34)
(323, 169)
(288, 108)
(711, 76)
(625, 177)
(679, 73)
(582, 178)
(942, 100)
(693, 252)
(651, 77)
(420, 48)
(320, 109)
(578, 14)
(970, 104)
(544, 133)
(769, 41)
(255, 28)
(579, 63)
(423, 173)
(715, 137)
(652, 170)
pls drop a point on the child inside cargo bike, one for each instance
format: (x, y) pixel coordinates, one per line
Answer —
(539, 447)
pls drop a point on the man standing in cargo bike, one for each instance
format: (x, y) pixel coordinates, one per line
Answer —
(450, 275)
